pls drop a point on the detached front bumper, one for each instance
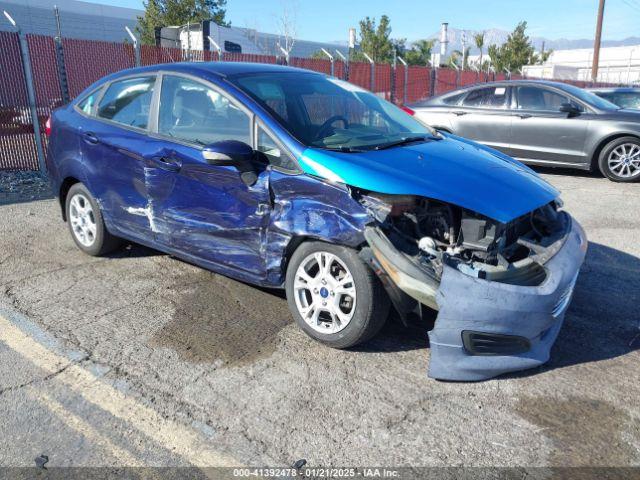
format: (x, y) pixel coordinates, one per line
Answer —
(486, 328)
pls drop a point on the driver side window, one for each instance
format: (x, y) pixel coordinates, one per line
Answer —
(539, 99)
(196, 113)
(275, 155)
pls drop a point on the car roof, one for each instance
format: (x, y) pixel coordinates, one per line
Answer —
(217, 69)
(506, 83)
(500, 83)
(615, 89)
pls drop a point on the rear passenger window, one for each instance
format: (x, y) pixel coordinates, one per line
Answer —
(453, 99)
(128, 101)
(87, 104)
(492, 97)
(196, 113)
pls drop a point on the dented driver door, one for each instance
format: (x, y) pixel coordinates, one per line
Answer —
(211, 214)
(207, 212)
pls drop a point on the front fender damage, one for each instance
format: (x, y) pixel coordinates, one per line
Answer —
(490, 320)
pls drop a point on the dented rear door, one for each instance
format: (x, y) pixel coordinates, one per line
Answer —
(114, 141)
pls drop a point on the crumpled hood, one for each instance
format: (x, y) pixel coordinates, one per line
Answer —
(452, 169)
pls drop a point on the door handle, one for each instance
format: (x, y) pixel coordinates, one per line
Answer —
(91, 138)
(524, 115)
(459, 113)
(167, 163)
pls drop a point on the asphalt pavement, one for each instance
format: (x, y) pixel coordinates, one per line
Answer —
(139, 359)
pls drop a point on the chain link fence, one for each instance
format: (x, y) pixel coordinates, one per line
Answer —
(53, 71)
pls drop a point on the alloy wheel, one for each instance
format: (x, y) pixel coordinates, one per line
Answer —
(82, 218)
(325, 292)
(624, 160)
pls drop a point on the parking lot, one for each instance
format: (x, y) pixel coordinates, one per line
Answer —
(141, 359)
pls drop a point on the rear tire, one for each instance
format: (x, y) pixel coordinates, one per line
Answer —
(86, 223)
(334, 296)
(619, 160)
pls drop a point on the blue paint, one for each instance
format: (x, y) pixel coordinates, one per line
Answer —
(530, 312)
(451, 170)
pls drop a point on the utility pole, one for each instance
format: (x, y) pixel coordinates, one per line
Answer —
(464, 48)
(596, 44)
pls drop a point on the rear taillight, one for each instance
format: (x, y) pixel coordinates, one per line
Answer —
(408, 110)
(47, 127)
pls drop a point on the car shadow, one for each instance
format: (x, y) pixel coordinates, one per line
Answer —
(134, 250)
(566, 172)
(602, 321)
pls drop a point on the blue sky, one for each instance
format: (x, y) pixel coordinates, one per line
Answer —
(329, 20)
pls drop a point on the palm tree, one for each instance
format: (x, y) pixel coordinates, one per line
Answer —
(478, 38)
(424, 47)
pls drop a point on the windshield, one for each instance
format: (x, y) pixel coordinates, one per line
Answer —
(328, 113)
(622, 99)
(590, 98)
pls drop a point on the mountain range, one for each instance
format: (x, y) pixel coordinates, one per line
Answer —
(498, 37)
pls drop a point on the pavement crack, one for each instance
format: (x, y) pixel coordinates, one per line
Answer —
(46, 378)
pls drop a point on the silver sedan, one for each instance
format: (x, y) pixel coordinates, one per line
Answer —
(542, 123)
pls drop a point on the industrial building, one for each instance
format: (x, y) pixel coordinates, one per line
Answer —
(83, 20)
(616, 65)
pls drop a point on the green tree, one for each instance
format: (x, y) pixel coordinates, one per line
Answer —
(494, 55)
(542, 57)
(399, 46)
(515, 52)
(420, 53)
(163, 13)
(478, 39)
(375, 41)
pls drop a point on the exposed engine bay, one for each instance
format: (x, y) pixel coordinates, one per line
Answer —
(431, 234)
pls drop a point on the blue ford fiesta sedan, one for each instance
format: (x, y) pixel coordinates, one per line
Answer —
(287, 178)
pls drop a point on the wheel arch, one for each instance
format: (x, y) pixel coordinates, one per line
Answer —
(595, 156)
(65, 186)
(297, 240)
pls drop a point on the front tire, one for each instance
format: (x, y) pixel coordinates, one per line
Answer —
(619, 160)
(334, 296)
(86, 224)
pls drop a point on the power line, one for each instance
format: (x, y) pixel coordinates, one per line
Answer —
(631, 5)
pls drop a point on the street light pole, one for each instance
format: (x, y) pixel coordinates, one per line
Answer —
(596, 44)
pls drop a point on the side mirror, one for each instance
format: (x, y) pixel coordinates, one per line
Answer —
(228, 152)
(569, 108)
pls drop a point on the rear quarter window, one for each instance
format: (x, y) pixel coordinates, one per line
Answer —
(128, 101)
(87, 104)
(490, 97)
(453, 99)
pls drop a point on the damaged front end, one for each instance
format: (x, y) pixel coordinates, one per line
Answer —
(500, 289)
